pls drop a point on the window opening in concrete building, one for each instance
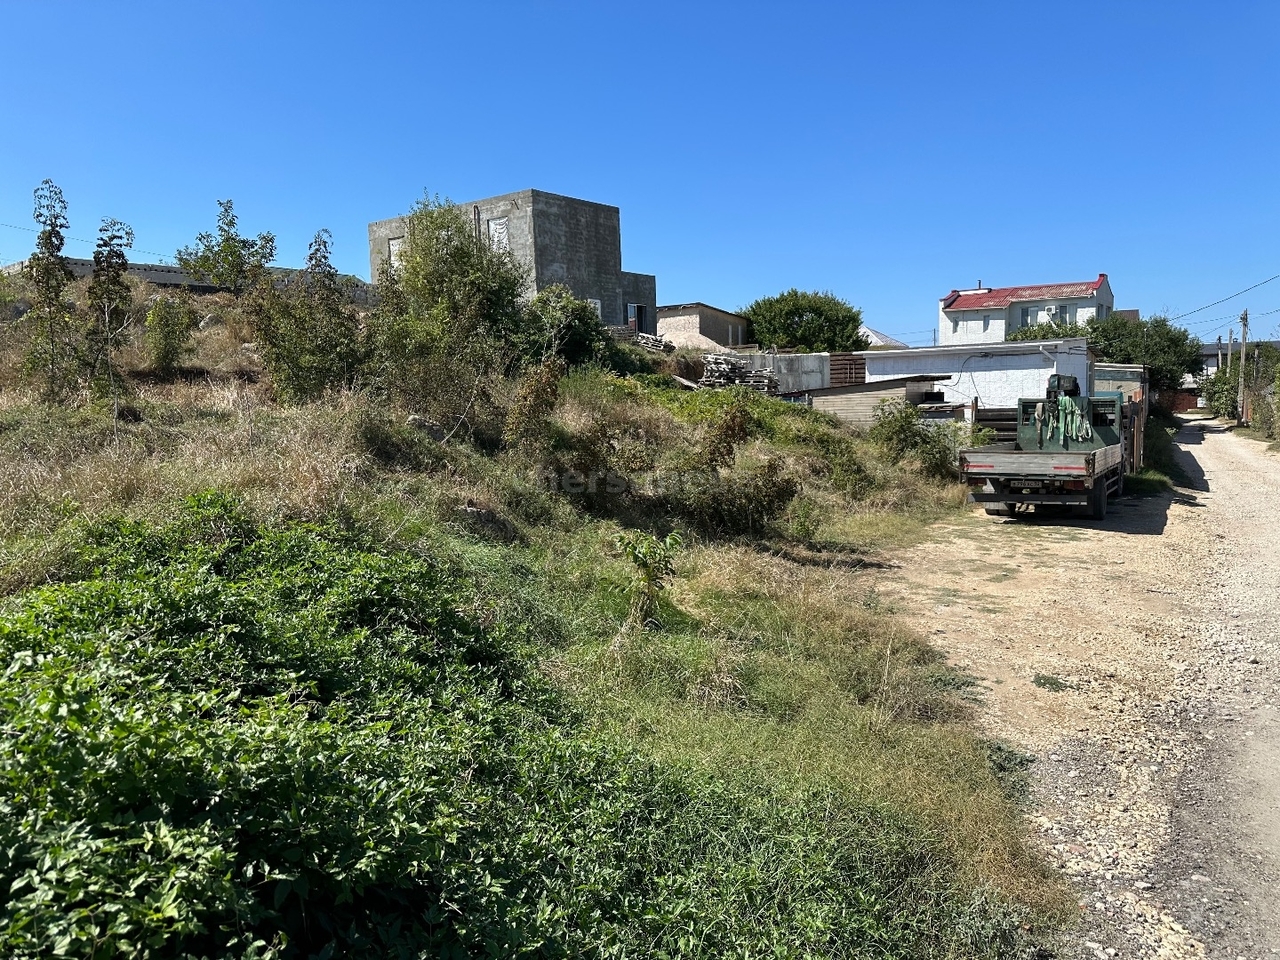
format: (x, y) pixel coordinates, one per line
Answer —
(986, 322)
(595, 305)
(394, 246)
(499, 238)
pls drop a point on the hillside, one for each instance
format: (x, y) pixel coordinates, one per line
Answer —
(336, 677)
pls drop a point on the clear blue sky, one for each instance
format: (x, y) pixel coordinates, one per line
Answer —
(886, 152)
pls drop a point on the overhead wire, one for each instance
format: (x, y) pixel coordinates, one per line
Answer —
(164, 257)
(1225, 299)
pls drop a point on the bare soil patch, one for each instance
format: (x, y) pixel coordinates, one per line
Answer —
(1136, 660)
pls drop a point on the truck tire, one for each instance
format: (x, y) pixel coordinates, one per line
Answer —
(1098, 500)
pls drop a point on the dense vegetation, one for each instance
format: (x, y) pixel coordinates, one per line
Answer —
(1221, 391)
(484, 645)
(805, 320)
(1171, 352)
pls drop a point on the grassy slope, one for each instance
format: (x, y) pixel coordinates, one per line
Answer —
(776, 675)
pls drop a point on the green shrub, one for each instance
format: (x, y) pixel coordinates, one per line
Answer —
(900, 431)
(169, 323)
(311, 339)
(278, 742)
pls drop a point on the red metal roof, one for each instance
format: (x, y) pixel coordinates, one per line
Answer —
(1003, 296)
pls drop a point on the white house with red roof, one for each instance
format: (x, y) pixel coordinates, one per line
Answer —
(989, 315)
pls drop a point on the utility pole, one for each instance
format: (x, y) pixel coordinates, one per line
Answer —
(1219, 367)
(1244, 346)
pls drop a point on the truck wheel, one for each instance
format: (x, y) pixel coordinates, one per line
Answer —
(1099, 501)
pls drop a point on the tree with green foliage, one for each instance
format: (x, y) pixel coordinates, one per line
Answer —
(110, 304)
(228, 259)
(1171, 352)
(806, 320)
(54, 354)
(311, 338)
(558, 324)
(169, 323)
(450, 321)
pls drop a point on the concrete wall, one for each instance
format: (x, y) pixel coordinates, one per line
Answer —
(796, 372)
(998, 378)
(642, 289)
(699, 321)
(577, 243)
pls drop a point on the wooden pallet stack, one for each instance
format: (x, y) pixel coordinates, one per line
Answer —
(720, 371)
(648, 341)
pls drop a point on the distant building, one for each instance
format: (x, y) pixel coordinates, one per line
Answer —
(876, 339)
(563, 240)
(160, 274)
(990, 315)
(168, 277)
(698, 326)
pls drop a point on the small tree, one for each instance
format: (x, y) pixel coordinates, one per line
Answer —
(168, 332)
(807, 321)
(110, 305)
(228, 259)
(654, 561)
(55, 344)
(560, 325)
(311, 339)
(449, 321)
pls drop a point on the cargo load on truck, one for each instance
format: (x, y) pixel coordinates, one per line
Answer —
(1071, 451)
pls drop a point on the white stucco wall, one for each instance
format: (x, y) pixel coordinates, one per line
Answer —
(998, 379)
(971, 326)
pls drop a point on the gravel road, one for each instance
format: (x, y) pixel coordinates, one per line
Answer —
(1139, 661)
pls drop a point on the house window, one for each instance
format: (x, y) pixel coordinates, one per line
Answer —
(955, 324)
(986, 322)
(1026, 316)
(499, 238)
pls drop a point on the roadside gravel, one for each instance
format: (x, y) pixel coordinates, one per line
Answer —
(1137, 661)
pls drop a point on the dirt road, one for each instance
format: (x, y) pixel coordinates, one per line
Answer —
(1139, 661)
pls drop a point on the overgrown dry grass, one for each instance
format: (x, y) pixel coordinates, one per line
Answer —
(774, 658)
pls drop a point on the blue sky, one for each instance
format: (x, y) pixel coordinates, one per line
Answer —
(885, 152)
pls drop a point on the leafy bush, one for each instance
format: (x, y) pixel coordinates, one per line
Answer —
(169, 323)
(279, 742)
(654, 561)
(558, 324)
(311, 339)
(901, 432)
(1221, 390)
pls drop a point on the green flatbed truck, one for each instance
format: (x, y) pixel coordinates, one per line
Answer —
(1070, 452)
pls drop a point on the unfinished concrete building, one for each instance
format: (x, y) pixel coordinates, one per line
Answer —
(563, 240)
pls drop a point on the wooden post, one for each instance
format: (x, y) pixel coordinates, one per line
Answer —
(1219, 351)
(973, 413)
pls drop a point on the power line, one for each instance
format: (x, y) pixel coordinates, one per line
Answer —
(164, 257)
(1225, 299)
